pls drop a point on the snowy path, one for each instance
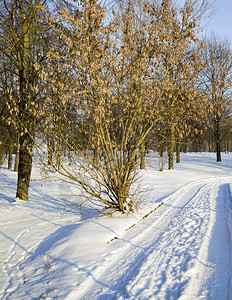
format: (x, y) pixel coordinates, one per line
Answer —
(181, 251)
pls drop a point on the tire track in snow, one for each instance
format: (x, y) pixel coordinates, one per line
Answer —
(208, 274)
(219, 253)
(229, 223)
(137, 244)
(156, 248)
(163, 271)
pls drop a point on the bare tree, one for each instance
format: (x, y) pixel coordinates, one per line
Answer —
(179, 66)
(115, 78)
(217, 81)
(22, 33)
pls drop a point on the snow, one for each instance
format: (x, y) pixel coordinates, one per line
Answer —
(176, 246)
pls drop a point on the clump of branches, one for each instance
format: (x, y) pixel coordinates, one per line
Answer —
(111, 82)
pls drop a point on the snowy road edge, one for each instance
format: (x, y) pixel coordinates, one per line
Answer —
(169, 197)
(229, 223)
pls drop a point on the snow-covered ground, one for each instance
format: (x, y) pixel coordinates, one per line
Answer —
(181, 250)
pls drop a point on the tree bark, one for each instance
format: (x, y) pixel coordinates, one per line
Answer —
(227, 146)
(217, 137)
(2, 152)
(218, 150)
(24, 170)
(171, 148)
(10, 156)
(178, 151)
(161, 149)
(142, 156)
(185, 148)
(26, 140)
(50, 145)
(16, 164)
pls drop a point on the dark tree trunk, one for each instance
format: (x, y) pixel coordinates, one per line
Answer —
(161, 150)
(227, 145)
(16, 164)
(217, 137)
(24, 167)
(201, 146)
(178, 151)
(50, 145)
(26, 140)
(2, 152)
(171, 148)
(185, 148)
(218, 151)
(27, 119)
(10, 157)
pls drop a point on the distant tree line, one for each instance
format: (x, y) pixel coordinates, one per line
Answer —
(93, 85)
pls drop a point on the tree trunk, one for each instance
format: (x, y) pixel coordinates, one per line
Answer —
(16, 164)
(123, 194)
(178, 151)
(26, 140)
(171, 160)
(142, 156)
(201, 146)
(171, 148)
(185, 148)
(96, 150)
(227, 145)
(218, 150)
(24, 175)
(2, 152)
(24, 167)
(161, 149)
(50, 145)
(10, 157)
(217, 137)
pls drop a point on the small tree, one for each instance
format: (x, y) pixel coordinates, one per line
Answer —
(114, 79)
(110, 89)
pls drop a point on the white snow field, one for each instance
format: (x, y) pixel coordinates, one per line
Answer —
(181, 250)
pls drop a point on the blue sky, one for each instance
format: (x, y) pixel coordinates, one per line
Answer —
(221, 22)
